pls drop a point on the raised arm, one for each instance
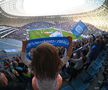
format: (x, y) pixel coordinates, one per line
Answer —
(69, 52)
(23, 53)
(70, 48)
(24, 43)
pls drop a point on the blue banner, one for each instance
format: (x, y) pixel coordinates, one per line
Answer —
(79, 28)
(56, 41)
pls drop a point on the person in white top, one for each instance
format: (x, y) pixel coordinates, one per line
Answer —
(46, 65)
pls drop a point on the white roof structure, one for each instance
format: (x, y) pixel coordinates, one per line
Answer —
(48, 7)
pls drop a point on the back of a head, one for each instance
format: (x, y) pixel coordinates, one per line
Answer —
(45, 62)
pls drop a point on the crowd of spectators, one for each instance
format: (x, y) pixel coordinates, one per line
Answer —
(38, 25)
(15, 74)
(64, 25)
(85, 52)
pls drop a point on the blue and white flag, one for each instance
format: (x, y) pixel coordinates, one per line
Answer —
(79, 28)
(56, 41)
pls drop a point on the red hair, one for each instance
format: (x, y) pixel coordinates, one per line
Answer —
(46, 61)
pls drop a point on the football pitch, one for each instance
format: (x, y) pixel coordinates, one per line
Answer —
(45, 33)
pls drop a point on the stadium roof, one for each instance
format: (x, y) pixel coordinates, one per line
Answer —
(48, 7)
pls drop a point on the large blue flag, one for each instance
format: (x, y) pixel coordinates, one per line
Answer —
(79, 28)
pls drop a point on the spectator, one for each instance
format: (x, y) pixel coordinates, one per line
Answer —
(93, 52)
(46, 65)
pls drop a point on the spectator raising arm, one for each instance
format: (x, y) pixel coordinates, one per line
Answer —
(69, 52)
(70, 49)
(23, 53)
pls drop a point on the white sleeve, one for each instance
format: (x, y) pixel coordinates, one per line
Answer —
(65, 60)
(67, 64)
(65, 53)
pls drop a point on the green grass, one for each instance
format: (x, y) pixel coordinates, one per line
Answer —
(44, 33)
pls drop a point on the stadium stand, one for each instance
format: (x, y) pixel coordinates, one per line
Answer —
(81, 75)
(13, 32)
(6, 30)
(18, 73)
(83, 81)
(18, 35)
(38, 25)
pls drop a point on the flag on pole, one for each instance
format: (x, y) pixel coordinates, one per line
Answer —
(79, 29)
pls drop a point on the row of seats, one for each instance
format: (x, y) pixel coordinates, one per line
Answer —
(104, 84)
